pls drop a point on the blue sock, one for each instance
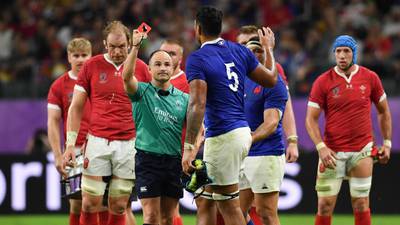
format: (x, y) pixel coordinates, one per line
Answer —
(250, 222)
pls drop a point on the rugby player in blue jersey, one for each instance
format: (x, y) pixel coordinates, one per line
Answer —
(216, 73)
(264, 167)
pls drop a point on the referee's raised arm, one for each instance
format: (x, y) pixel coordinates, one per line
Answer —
(130, 82)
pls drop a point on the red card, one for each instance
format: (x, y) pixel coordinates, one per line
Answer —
(144, 27)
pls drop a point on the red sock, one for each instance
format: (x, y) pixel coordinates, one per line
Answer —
(114, 219)
(103, 217)
(220, 219)
(74, 218)
(254, 217)
(362, 218)
(323, 220)
(88, 218)
(177, 220)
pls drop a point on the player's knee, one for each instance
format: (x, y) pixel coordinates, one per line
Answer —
(151, 217)
(325, 206)
(360, 204)
(90, 203)
(75, 206)
(120, 187)
(360, 187)
(93, 187)
(117, 205)
(267, 214)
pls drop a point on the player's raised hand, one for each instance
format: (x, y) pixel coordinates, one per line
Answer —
(69, 157)
(267, 37)
(384, 154)
(328, 157)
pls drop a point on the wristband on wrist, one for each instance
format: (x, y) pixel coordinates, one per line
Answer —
(387, 143)
(292, 139)
(188, 146)
(320, 145)
(71, 138)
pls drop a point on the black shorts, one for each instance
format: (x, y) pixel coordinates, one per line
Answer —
(158, 175)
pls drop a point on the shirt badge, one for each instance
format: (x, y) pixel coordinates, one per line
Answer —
(362, 88)
(335, 92)
(257, 90)
(103, 77)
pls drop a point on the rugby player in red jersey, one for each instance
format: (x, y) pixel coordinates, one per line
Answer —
(58, 101)
(345, 93)
(110, 148)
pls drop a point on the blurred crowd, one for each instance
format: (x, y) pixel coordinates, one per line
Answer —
(34, 34)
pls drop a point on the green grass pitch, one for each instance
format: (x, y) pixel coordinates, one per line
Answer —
(286, 219)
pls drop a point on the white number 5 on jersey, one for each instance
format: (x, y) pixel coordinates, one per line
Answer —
(232, 75)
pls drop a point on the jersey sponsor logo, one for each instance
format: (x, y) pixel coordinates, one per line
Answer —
(257, 90)
(165, 116)
(103, 77)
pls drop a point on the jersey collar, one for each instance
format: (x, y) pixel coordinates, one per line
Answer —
(177, 75)
(348, 79)
(107, 58)
(212, 42)
(72, 75)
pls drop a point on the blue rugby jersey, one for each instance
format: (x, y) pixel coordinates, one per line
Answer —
(258, 99)
(224, 66)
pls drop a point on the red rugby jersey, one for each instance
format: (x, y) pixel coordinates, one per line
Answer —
(347, 106)
(281, 73)
(60, 97)
(180, 81)
(101, 79)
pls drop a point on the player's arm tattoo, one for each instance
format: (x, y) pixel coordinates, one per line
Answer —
(196, 109)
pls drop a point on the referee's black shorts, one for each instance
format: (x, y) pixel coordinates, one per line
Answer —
(158, 175)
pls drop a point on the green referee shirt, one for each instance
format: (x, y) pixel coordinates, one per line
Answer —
(159, 119)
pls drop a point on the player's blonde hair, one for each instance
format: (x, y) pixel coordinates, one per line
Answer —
(248, 29)
(114, 26)
(174, 42)
(79, 45)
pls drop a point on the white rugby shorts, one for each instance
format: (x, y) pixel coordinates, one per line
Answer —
(263, 174)
(106, 158)
(225, 153)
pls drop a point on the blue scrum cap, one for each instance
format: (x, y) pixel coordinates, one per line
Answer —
(346, 41)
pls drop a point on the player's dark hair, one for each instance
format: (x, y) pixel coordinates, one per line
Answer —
(210, 21)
